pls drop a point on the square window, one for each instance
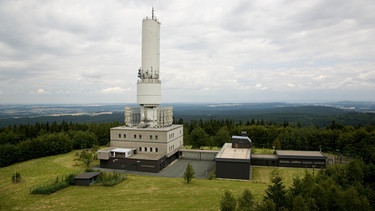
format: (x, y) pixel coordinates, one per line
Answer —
(119, 135)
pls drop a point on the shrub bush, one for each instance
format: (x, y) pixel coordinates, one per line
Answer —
(110, 179)
(212, 174)
(16, 177)
(50, 188)
(54, 185)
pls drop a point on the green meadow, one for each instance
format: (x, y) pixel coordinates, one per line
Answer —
(134, 193)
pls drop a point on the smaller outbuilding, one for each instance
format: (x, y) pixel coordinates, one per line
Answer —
(86, 179)
(233, 160)
(291, 158)
(301, 159)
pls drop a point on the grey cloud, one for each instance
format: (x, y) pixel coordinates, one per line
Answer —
(209, 50)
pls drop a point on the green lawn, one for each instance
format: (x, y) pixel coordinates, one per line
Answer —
(135, 193)
(262, 151)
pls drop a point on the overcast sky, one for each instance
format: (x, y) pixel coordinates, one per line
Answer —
(211, 51)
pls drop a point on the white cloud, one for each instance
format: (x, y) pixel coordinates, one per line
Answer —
(41, 91)
(113, 90)
(239, 49)
(291, 85)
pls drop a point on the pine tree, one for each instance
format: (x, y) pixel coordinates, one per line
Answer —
(276, 192)
(228, 202)
(189, 173)
(246, 201)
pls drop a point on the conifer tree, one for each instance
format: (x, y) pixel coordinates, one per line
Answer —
(246, 201)
(189, 173)
(228, 202)
(276, 192)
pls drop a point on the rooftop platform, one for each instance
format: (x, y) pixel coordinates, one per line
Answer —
(87, 175)
(227, 152)
(299, 154)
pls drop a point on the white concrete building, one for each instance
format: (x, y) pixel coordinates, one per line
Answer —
(148, 141)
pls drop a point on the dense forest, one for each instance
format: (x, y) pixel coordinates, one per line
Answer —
(339, 187)
(24, 142)
(331, 188)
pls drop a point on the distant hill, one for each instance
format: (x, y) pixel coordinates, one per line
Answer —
(347, 113)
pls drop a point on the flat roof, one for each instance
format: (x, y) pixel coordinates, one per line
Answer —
(87, 175)
(227, 152)
(147, 128)
(115, 149)
(107, 149)
(296, 153)
(121, 150)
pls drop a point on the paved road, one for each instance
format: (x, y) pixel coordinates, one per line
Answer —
(177, 169)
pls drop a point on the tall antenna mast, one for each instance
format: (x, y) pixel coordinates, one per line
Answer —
(152, 13)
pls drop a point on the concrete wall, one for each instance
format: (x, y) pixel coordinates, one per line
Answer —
(199, 154)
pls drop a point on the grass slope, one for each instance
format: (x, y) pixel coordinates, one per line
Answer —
(135, 193)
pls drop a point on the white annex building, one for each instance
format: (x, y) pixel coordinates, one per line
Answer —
(148, 141)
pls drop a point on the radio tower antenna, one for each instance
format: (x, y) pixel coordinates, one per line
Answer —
(152, 13)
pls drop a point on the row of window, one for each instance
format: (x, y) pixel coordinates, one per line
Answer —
(148, 149)
(140, 136)
(303, 162)
(151, 136)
